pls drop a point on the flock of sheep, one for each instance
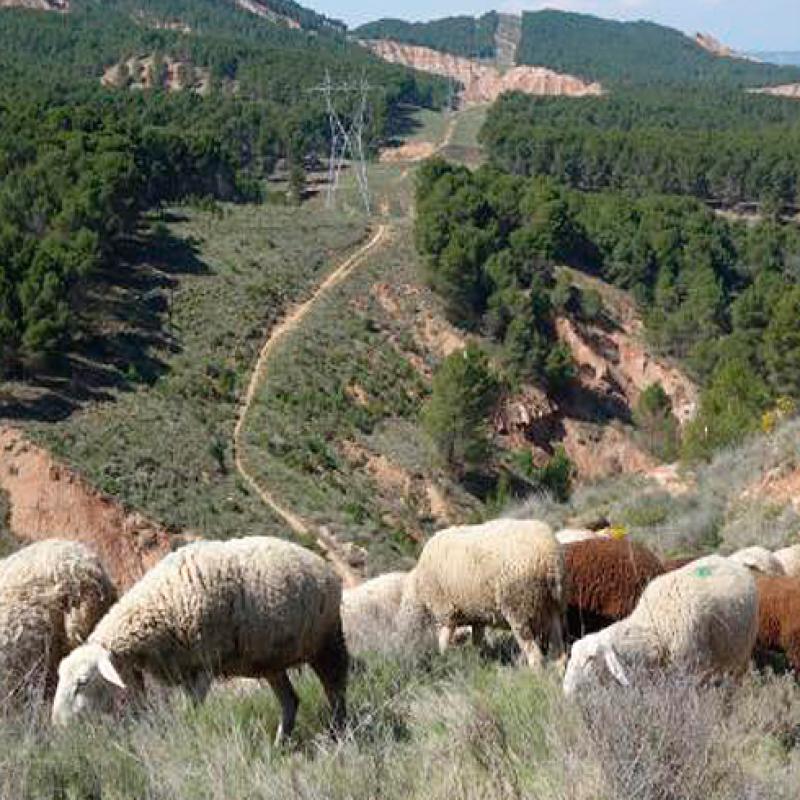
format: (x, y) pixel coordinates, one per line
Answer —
(257, 607)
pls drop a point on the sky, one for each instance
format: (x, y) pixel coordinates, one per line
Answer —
(743, 24)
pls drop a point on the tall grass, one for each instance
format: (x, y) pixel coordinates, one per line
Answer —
(439, 729)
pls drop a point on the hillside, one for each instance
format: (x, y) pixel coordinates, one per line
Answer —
(469, 37)
(633, 53)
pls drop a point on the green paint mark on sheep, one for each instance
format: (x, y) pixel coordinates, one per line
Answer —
(703, 572)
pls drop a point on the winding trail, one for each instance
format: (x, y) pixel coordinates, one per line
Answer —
(324, 539)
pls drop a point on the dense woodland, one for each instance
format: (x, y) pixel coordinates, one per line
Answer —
(471, 37)
(78, 163)
(633, 53)
(723, 297)
(727, 146)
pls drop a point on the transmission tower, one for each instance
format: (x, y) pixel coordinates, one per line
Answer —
(347, 136)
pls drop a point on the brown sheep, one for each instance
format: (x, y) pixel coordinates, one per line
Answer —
(605, 579)
(778, 620)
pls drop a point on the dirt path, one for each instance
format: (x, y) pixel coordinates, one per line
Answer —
(324, 539)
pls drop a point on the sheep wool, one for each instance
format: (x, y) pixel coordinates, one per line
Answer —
(502, 573)
(605, 579)
(572, 535)
(52, 593)
(702, 617)
(370, 613)
(789, 559)
(759, 559)
(250, 607)
(778, 619)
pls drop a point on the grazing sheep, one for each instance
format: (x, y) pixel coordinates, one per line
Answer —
(778, 619)
(702, 617)
(503, 573)
(789, 558)
(605, 579)
(370, 613)
(572, 535)
(247, 607)
(52, 594)
(758, 559)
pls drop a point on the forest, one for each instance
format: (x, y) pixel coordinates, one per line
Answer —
(79, 162)
(633, 53)
(726, 146)
(470, 37)
(721, 296)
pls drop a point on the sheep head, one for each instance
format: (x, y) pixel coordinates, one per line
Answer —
(593, 661)
(87, 683)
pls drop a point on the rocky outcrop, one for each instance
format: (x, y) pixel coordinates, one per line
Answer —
(144, 73)
(37, 5)
(482, 83)
(49, 500)
(717, 48)
(790, 90)
(262, 10)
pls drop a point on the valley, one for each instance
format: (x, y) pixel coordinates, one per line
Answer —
(574, 300)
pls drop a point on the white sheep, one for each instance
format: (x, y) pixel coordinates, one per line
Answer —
(52, 593)
(370, 613)
(702, 617)
(789, 559)
(503, 573)
(758, 559)
(249, 607)
(572, 535)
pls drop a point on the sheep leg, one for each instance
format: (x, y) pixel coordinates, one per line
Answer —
(331, 667)
(555, 647)
(445, 635)
(478, 635)
(287, 697)
(523, 633)
(197, 687)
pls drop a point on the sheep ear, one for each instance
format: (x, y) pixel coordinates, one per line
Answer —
(615, 667)
(108, 671)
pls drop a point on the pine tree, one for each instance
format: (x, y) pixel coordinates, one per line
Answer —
(464, 392)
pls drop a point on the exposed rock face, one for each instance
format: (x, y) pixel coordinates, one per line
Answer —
(49, 500)
(141, 73)
(483, 83)
(790, 90)
(717, 48)
(37, 5)
(263, 10)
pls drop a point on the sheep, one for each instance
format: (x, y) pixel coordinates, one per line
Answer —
(370, 612)
(52, 593)
(504, 572)
(759, 559)
(778, 619)
(702, 617)
(248, 607)
(572, 535)
(605, 579)
(789, 558)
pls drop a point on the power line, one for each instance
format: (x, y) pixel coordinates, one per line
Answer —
(347, 138)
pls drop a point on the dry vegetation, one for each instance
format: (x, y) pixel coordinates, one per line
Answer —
(735, 501)
(460, 727)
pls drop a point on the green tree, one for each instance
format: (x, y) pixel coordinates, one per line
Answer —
(654, 418)
(730, 408)
(781, 351)
(464, 392)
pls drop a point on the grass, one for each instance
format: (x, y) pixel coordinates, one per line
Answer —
(455, 727)
(163, 446)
